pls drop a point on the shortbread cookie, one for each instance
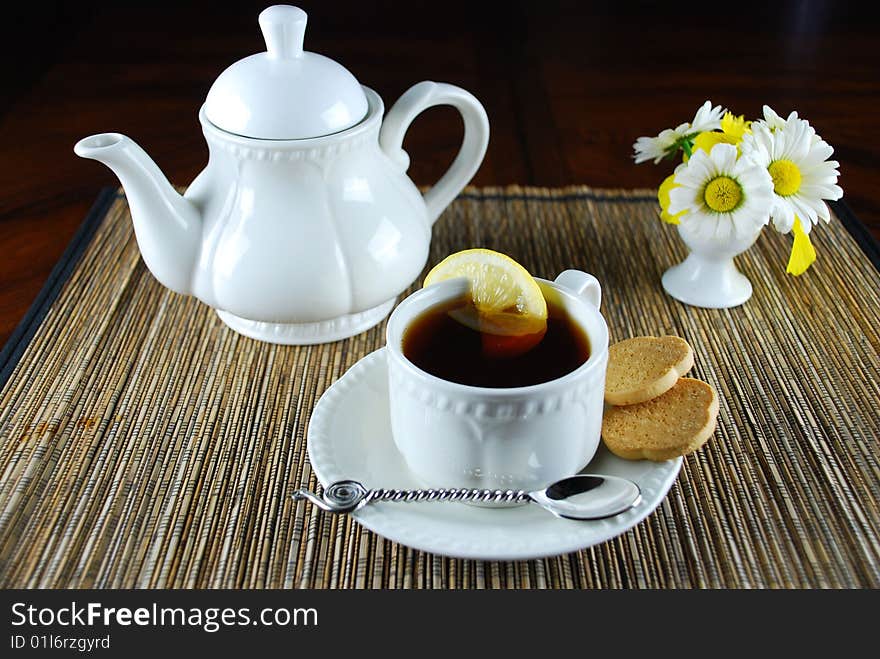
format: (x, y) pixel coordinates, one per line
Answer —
(644, 367)
(676, 423)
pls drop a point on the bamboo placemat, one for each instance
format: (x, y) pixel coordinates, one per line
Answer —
(143, 444)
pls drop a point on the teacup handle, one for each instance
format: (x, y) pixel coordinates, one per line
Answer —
(419, 98)
(581, 284)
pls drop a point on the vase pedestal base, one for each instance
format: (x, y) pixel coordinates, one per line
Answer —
(708, 283)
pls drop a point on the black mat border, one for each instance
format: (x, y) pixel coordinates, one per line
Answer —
(858, 231)
(25, 330)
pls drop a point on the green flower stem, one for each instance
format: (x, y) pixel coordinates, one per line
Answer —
(687, 146)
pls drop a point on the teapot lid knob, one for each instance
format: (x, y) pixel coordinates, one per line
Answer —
(286, 93)
(284, 28)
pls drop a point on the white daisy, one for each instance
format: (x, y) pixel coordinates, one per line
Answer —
(667, 142)
(730, 198)
(803, 177)
(657, 148)
(707, 118)
(773, 121)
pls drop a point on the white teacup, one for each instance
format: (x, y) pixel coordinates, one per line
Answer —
(454, 435)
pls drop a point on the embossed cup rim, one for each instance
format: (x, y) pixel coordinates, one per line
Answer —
(409, 308)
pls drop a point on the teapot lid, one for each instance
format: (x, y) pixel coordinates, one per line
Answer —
(285, 93)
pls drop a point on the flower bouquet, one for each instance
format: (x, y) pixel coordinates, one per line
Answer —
(735, 176)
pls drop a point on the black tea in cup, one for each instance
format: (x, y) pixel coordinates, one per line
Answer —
(446, 341)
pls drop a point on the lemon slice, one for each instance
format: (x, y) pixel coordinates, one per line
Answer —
(507, 299)
(498, 283)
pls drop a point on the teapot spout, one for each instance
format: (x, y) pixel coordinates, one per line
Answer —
(167, 226)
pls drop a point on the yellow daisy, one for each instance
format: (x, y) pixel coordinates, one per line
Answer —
(663, 197)
(732, 130)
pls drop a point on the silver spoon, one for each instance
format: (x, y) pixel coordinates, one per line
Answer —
(584, 496)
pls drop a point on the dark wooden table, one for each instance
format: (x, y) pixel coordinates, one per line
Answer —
(568, 87)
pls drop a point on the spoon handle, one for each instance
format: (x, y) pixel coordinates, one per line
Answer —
(449, 494)
(348, 496)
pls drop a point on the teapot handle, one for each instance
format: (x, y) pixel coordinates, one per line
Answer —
(418, 98)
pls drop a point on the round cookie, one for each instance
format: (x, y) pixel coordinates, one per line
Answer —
(644, 367)
(675, 423)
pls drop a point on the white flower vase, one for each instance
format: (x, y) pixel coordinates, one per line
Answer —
(708, 277)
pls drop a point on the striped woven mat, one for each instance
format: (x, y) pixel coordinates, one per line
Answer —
(143, 444)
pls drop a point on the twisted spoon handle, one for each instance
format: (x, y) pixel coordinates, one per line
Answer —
(449, 494)
(348, 496)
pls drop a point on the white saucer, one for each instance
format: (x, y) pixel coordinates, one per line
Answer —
(349, 437)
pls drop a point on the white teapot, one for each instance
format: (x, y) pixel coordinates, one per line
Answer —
(303, 228)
